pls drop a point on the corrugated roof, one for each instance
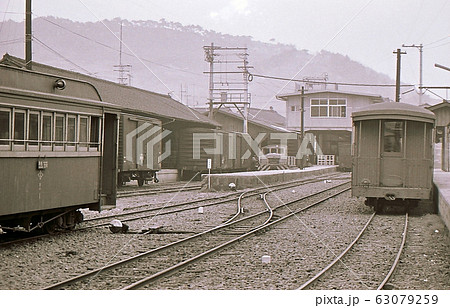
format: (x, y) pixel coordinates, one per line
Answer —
(158, 105)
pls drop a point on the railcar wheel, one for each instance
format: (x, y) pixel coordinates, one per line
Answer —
(156, 180)
(51, 227)
(140, 182)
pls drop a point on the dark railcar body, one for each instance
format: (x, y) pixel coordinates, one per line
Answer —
(392, 153)
(57, 150)
(229, 152)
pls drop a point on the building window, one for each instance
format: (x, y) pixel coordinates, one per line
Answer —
(295, 108)
(328, 108)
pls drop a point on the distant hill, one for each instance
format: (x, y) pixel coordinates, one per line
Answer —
(169, 57)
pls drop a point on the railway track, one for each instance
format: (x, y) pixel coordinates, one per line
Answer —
(152, 265)
(381, 242)
(166, 208)
(157, 189)
(148, 211)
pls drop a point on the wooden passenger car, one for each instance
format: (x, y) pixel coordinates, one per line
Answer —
(392, 154)
(57, 150)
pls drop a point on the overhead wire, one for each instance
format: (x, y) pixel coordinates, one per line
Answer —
(312, 58)
(60, 55)
(112, 48)
(331, 83)
(136, 56)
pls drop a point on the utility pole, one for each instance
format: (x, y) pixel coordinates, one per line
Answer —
(209, 57)
(302, 127)
(228, 86)
(397, 80)
(420, 47)
(28, 35)
(123, 68)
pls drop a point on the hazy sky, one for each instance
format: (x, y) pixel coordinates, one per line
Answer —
(368, 31)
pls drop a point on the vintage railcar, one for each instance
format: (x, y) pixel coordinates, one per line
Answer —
(139, 148)
(58, 150)
(275, 157)
(392, 154)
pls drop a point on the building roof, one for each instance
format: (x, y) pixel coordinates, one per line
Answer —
(393, 110)
(308, 93)
(257, 119)
(445, 103)
(155, 104)
(269, 116)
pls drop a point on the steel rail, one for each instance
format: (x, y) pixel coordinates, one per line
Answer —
(165, 247)
(397, 258)
(325, 269)
(229, 197)
(172, 269)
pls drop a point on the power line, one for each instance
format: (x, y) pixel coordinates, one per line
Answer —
(115, 49)
(60, 55)
(331, 83)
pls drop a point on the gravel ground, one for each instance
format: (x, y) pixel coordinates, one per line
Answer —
(292, 246)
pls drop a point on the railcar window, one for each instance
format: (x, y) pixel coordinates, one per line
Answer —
(95, 131)
(59, 130)
(71, 130)
(83, 131)
(33, 129)
(4, 127)
(393, 136)
(47, 129)
(19, 127)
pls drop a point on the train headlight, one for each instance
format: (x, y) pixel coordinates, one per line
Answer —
(60, 84)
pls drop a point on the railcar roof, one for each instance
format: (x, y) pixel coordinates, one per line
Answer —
(130, 98)
(393, 110)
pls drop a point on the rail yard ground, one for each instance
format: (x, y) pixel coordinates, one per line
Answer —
(294, 248)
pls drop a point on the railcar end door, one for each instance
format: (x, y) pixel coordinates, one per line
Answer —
(392, 153)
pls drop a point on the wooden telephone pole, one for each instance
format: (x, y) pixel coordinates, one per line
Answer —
(397, 80)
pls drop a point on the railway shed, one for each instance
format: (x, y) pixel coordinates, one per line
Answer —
(264, 125)
(174, 116)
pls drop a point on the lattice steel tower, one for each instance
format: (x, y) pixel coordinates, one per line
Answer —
(228, 79)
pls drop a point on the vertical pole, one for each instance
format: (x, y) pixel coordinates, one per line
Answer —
(210, 58)
(28, 51)
(420, 47)
(421, 73)
(302, 124)
(397, 80)
(246, 101)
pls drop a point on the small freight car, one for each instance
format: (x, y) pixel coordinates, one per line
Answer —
(57, 150)
(139, 148)
(392, 154)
